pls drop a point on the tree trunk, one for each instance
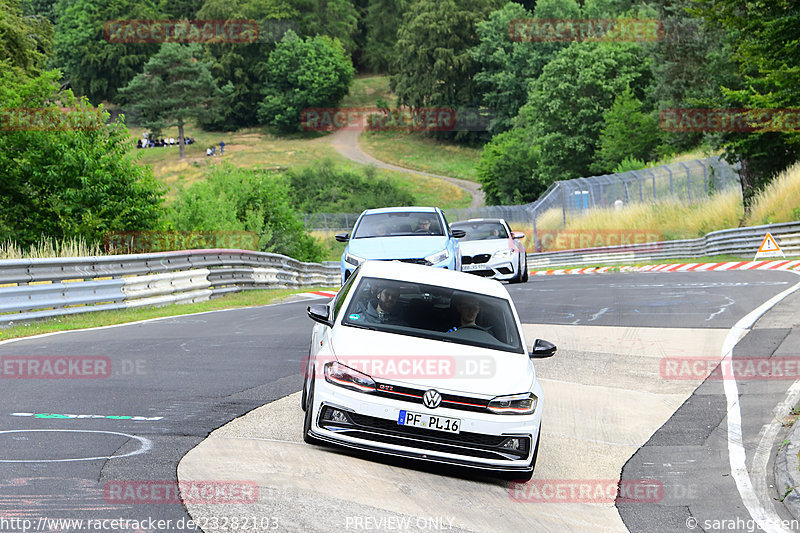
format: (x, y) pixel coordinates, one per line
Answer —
(747, 180)
(181, 142)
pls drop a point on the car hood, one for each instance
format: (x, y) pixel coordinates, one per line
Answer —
(483, 247)
(426, 363)
(417, 246)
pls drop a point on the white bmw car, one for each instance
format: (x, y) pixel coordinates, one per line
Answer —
(490, 249)
(426, 364)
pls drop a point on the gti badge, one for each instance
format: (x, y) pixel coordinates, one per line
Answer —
(432, 399)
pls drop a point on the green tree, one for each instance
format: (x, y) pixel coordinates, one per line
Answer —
(628, 132)
(432, 62)
(237, 199)
(26, 40)
(507, 168)
(508, 66)
(338, 19)
(566, 104)
(323, 188)
(303, 73)
(244, 64)
(174, 87)
(93, 66)
(763, 35)
(62, 181)
(381, 22)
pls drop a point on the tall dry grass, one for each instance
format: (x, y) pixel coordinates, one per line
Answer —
(48, 247)
(779, 201)
(666, 220)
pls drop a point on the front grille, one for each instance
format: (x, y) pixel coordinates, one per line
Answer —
(467, 444)
(416, 261)
(475, 259)
(451, 401)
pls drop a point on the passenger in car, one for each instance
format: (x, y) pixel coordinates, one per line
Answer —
(467, 308)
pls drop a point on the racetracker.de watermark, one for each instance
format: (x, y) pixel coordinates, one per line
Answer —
(739, 368)
(587, 491)
(170, 492)
(54, 367)
(556, 240)
(162, 241)
(181, 31)
(579, 30)
(405, 119)
(51, 119)
(729, 120)
(408, 366)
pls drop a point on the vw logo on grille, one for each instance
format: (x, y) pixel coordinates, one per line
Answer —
(432, 399)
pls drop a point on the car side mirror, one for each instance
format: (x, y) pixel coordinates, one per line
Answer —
(458, 233)
(542, 348)
(320, 313)
(517, 235)
(342, 237)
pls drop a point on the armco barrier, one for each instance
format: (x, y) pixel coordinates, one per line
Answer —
(740, 241)
(41, 288)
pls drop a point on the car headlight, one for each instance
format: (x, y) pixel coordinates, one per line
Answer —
(353, 259)
(438, 257)
(344, 376)
(503, 254)
(515, 404)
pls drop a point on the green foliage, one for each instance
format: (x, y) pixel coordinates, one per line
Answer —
(338, 19)
(566, 104)
(381, 22)
(507, 169)
(507, 67)
(92, 66)
(26, 39)
(763, 36)
(303, 73)
(628, 164)
(68, 183)
(173, 88)
(323, 188)
(432, 62)
(628, 132)
(244, 64)
(237, 199)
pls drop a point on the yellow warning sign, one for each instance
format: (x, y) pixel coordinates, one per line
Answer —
(769, 248)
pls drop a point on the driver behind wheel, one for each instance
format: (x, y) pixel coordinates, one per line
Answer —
(423, 225)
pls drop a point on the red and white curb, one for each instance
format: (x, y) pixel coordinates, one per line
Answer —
(678, 267)
(317, 294)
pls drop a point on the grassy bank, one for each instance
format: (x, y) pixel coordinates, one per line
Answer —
(417, 152)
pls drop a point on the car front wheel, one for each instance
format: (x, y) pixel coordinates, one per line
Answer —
(308, 418)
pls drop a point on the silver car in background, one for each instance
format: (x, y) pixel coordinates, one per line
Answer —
(490, 249)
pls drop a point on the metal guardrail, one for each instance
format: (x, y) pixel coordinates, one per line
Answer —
(739, 241)
(47, 287)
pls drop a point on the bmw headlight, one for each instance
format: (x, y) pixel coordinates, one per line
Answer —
(344, 376)
(515, 404)
(353, 259)
(438, 257)
(503, 254)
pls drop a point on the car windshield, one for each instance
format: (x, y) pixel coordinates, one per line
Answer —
(432, 312)
(398, 223)
(481, 231)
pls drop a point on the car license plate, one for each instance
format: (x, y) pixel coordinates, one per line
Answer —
(438, 423)
(466, 268)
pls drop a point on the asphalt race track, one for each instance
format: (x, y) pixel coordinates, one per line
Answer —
(106, 445)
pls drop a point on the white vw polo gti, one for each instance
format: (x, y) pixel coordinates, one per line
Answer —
(427, 364)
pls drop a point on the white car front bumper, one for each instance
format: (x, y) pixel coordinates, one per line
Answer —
(372, 424)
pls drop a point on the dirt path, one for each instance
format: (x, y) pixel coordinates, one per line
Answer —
(345, 141)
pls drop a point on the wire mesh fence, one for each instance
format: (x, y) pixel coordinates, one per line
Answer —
(684, 181)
